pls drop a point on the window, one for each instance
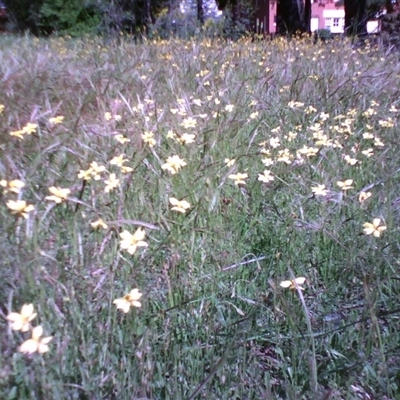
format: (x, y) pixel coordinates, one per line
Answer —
(328, 23)
(335, 21)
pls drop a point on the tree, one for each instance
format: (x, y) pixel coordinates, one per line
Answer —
(23, 15)
(200, 11)
(355, 18)
(291, 16)
(307, 16)
(72, 17)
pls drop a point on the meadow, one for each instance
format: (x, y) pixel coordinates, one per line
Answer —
(200, 219)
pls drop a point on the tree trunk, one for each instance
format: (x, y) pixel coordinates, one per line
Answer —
(290, 16)
(307, 16)
(355, 22)
(200, 11)
(389, 6)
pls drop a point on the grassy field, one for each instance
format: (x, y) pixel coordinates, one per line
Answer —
(207, 175)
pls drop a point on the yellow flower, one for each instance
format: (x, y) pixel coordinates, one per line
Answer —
(274, 142)
(310, 109)
(239, 178)
(171, 135)
(36, 343)
(293, 284)
(131, 242)
(122, 139)
(148, 137)
(2, 108)
(375, 228)
(173, 164)
(12, 186)
(189, 123)
(111, 183)
(20, 207)
(98, 223)
(58, 193)
(56, 120)
(319, 190)
(85, 175)
(96, 169)
(295, 104)
(29, 128)
(266, 176)
(364, 196)
(118, 160)
(308, 151)
(345, 185)
(229, 162)
(368, 153)
(229, 107)
(129, 300)
(350, 160)
(267, 161)
(19, 134)
(187, 138)
(179, 205)
(284, 156)
(126, 170)
(378, 142)
(21, 321)
(107, 116)
(254, 115)
(368, 135)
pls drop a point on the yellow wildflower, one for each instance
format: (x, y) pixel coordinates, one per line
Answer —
(187, 138)
(266, 176)
(131, 242)
(126, 170)
(148, 137)
(19, 134)
(58, 194)
(189, 123)
(118, 160)
(29, 128)
(179, 205)
(345, 185)
(319, 190)
(36, 343)
(111, 183)
(293, 284)
(229, 162)
(12, 186)
(364, 196)
(99, 223)
(96, 169)
(173, 164)
(21, 321)
(122, 139)
(375, 228)
(239, 178)
(85, 175)
(56, 120)
(129, 300)
(20, 207)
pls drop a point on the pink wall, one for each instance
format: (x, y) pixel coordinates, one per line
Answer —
(267, 12)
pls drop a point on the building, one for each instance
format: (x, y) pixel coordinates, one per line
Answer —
(325, 14)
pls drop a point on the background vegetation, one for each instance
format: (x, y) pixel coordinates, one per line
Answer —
(214, 321)
(162, 18)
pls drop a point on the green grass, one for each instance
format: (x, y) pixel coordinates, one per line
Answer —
(214, 321)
